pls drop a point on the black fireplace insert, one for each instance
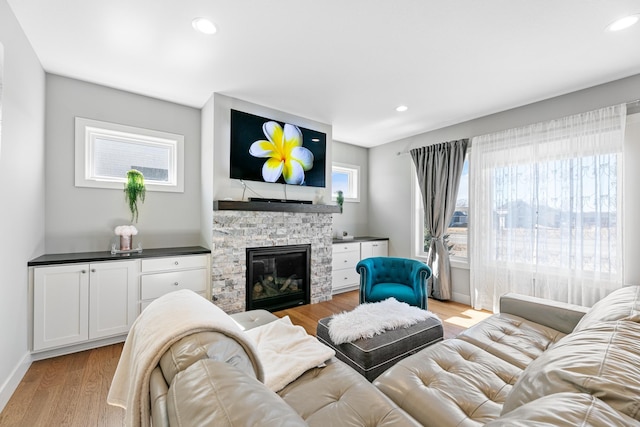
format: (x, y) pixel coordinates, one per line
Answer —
(278, 277)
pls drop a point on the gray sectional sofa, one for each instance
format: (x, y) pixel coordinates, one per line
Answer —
(536, 363)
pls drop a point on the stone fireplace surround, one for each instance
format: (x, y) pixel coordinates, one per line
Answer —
(235, 230)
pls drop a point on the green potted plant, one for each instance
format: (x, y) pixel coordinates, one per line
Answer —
(340, 199)
(134, 192)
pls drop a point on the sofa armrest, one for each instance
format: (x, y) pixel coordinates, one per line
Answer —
(560, 316)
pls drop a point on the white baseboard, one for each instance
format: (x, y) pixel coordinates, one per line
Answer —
(61, 351)
(11, 384)
(461, 298)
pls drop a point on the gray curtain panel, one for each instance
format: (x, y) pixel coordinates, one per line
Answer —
(439, 168)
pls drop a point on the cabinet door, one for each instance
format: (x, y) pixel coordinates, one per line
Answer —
(60, 305)
(374, 249)
(113, 290)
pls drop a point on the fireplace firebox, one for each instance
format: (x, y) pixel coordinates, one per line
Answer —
(278, 277)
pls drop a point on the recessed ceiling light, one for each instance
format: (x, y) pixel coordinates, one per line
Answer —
(401, 108)
(204, 26)
(622, 23)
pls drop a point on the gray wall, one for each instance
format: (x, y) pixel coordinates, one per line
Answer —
(390, 203)
(355, 215)
(215, 166)
(83, 219)
(22, 192)
(226, 188)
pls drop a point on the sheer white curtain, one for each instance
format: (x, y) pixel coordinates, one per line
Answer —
(546, 211)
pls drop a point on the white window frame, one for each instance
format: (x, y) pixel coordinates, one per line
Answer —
(353, 172)
(86, 132)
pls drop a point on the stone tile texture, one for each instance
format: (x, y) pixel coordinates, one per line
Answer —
(234, 231)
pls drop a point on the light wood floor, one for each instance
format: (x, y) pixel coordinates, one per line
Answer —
(72, 390)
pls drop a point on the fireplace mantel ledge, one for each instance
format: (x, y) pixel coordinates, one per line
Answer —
(234, 205)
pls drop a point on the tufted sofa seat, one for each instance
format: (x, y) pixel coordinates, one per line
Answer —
(537, 362)
(207, 379)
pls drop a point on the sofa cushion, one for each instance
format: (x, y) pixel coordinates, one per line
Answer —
(601, 360)
(511, 338)
(621, 304)
(336, 395)
(452, 383)
(578, 409)
(204, 345)
(213, 393)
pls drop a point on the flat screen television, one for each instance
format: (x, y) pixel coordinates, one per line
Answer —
(268, 150)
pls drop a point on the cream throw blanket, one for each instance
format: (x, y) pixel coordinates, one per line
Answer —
(287, 351)
(165, 321)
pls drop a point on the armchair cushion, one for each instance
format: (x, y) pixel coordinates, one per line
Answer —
(401, 278)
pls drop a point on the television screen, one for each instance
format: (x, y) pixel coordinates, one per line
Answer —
(268, 150)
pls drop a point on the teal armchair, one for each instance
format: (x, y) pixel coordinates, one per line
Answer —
(401, 278)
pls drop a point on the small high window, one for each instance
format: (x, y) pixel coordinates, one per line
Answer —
(106, 151)
(345, 178)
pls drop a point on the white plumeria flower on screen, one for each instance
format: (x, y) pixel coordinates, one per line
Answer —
(284, 153)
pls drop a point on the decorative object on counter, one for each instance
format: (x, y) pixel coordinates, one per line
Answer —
(126, 233)
(340, 199)
(319, 199)
(115, 251)
(134, 191)
(345, 236)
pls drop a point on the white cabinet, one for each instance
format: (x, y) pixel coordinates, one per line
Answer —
(344, 276)
(346, 256)
(75, 303)
(163, 275)
(374, 249)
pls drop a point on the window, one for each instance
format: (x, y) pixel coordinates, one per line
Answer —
(547, 209)
(345, 178)
(106, 151)
(456, 235)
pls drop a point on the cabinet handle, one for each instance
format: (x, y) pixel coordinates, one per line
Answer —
(83, 271)
(375, 245)
(176, 284)
(176, 263)
(93, 270)
(346, 260)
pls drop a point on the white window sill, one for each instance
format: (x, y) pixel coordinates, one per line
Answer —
(461, 263)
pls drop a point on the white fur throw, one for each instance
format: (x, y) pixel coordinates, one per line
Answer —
(371, 319)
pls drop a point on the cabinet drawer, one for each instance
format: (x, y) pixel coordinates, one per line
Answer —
(173, 263)
(156, 285)
(145, 304)
(346, 247)
(343, 278)
(345, 260)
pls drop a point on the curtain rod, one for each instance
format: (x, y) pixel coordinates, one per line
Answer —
(633, 107)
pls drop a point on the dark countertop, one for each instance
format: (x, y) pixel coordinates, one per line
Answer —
(360, 239)
(78, 257)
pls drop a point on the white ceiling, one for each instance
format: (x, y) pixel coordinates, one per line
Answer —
(348, 63)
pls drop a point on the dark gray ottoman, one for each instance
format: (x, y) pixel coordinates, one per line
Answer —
(372, 356)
